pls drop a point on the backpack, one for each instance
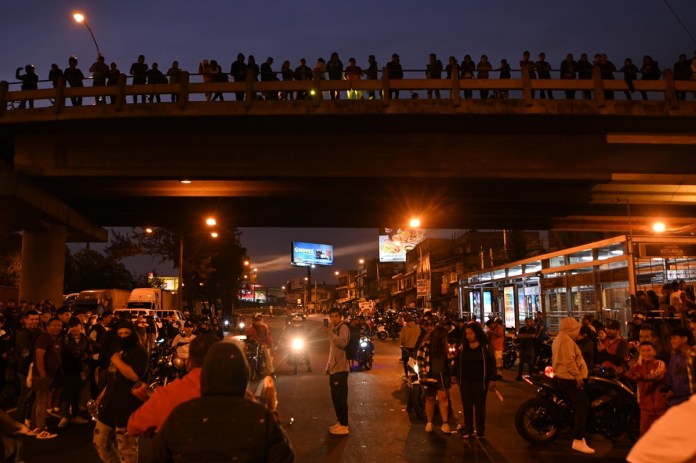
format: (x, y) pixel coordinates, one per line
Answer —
(353, 344)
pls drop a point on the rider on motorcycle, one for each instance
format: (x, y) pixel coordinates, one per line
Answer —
(294, 330)
(261, 334)
(182, 340)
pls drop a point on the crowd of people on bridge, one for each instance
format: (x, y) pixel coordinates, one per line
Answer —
(246, 68)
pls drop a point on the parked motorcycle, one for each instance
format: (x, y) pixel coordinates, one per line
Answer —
(165, 367)
(613, 409)
(388, 329)
(542, 357)
(416, 394)
(510, 348)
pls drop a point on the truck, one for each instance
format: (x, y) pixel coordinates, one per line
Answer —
(99, 300)
(150, 298)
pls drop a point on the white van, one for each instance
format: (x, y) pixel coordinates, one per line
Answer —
(134, 313)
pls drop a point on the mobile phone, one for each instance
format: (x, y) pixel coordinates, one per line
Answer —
(326, 323)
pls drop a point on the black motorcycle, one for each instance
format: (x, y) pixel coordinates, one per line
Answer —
(365, 353)
(165, 367)
(254, 354)
(542, 355)
(388, 329)
(297, 355)
(510, 348)
(613, 409)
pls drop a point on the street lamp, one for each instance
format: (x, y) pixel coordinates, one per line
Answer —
(210, 222)
(80, 18)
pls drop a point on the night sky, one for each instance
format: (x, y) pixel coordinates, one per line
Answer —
(42, 32)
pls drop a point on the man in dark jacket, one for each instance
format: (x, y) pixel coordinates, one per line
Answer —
(198, 430)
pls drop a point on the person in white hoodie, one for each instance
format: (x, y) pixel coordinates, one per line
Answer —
(570, 373)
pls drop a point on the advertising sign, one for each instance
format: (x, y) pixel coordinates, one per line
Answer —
(306, 254)
(394, 243)
(509, 296)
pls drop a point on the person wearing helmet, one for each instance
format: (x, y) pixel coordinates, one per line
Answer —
(260, 333)
(296, 329)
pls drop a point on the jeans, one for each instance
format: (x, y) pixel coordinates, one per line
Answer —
(339, 395)
(526, 356)
(25, 402)
(72, 387)
(581, 402)
(41, 387)
(114, 445)
(474, 402)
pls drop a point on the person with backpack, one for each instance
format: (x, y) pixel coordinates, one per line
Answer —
(337, 369)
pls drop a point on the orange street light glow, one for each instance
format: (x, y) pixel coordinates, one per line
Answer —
(210, 221)
(659, 227)
(414, 223)
(79, 17)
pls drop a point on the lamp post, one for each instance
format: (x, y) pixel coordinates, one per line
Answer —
(210, 222)
(80, 19)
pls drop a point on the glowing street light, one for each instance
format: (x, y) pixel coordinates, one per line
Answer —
(210, 221)
(659, 227)
(80, 19)
(414, 222)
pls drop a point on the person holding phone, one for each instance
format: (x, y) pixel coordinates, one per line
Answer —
(337, 369)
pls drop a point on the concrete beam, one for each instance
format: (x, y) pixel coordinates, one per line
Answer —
(24, 206)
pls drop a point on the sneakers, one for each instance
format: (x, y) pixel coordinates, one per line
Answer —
(53, 412)
(429, 427)
(581, 446)
(33, 432)
(79, 420)
(63, 422)
(46, 435)
(336, 425)
(340, 430)
(445, 428)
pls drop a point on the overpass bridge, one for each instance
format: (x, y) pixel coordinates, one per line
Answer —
(523, 163)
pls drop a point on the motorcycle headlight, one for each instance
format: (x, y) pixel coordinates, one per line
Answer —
(363, 344)
(179, 363)
(241, 325)
(297, 344)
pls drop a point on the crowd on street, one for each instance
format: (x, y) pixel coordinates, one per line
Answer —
(80, 367)
(246, 68)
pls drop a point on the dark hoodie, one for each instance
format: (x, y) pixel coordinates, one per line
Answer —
(221, 425)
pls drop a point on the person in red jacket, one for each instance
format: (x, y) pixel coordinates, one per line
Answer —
(649, 373)
(261, 334)
(148, 418)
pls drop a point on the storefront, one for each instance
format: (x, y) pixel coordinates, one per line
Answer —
(597, 278)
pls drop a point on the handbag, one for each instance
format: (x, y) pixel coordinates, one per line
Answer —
(30, 375)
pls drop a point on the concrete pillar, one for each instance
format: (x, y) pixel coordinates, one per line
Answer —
(43, 265)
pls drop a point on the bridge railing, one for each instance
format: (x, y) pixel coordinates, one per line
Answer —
(597, 89)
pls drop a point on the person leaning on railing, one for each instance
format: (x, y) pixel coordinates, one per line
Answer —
(30, 81)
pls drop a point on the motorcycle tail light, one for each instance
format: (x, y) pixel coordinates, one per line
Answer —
(548, 371)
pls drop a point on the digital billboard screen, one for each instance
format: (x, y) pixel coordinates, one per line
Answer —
(305, 254)
(394, 243)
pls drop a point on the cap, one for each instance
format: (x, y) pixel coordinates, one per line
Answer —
(395, 56)
(613, 324)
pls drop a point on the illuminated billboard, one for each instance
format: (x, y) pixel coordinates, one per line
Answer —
(305, 254)
(394, 243)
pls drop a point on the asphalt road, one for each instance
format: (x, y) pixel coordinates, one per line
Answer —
(381, 429)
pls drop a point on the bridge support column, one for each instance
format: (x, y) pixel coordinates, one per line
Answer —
(43, 265)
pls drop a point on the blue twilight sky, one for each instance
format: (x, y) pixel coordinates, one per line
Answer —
(42, 32)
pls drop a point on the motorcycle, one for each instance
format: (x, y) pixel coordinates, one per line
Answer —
(365, 353)
(388, 329)
(297, 355)
(613, 409)
(416, 394)
(254, 356)
(165, 367)
(542, 358)
(510, 348)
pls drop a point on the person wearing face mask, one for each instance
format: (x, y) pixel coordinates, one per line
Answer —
(116, 403)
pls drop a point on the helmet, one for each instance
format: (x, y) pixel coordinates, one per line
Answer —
(179, 363)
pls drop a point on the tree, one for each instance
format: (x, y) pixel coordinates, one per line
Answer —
(88, 269)
(10, 259)
(211, 267)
